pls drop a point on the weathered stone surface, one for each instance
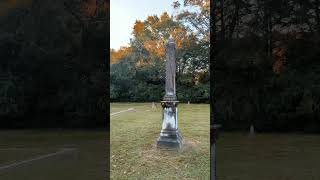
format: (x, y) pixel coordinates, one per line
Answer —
(171, 142)
(170, 137)
(170, 72)
(153, 106)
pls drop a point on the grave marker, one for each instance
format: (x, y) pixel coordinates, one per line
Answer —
(170, 137)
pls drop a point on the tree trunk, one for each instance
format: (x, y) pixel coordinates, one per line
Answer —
(235, 18)
(267, 29)
(222, 20)
(213, 52)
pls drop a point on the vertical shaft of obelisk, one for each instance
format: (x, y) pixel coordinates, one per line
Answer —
(170, 71)
(169, 134)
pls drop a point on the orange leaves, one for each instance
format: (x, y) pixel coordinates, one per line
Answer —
(117, 55)
(138, 28)
(154, 32)
(279, 57)
(153, 22)
(164, 17)
(180, 36)
(151, 19)
(155, 47)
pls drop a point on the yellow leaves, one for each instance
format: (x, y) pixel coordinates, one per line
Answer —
(279, 57)
(117, 55)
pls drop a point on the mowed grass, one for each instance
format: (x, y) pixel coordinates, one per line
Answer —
(268, 157)
(87, 161)
(133, 143)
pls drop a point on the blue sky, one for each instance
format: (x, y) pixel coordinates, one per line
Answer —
(123, 14)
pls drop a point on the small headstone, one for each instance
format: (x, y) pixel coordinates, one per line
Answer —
(251, 130)
(154, 106)
(188, 102)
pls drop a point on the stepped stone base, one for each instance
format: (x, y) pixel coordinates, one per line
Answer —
(169, 140)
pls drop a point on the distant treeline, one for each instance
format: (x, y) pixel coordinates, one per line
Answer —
(267, 64)
(53, 68)
(137, 72)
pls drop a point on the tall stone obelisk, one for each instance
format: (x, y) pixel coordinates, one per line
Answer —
(169, 135)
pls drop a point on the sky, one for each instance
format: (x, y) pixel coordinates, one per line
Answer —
(124, 13)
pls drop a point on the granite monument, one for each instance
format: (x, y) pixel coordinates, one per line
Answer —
(170, 137)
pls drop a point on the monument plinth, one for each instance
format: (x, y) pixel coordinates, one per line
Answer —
(169, 135)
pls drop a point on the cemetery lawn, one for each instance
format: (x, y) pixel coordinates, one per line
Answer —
(86, 161)
(133, 143)
(268, 156)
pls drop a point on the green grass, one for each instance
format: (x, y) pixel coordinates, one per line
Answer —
(268, 157)
(87, 162)
(134, 155)
(133, 139)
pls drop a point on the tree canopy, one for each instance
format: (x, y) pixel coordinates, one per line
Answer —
(53, 63)
(137, 72)
(266, 63)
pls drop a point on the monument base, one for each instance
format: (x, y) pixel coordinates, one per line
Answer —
(169, 140)
(170, 137)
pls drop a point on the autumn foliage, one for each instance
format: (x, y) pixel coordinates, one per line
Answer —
(52, 55)
(154, 32)
(137, 71)
(119, 54)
